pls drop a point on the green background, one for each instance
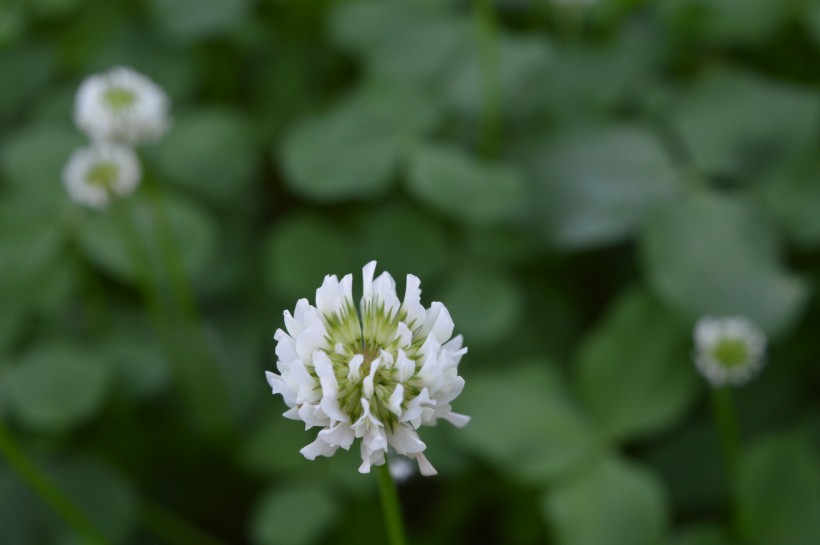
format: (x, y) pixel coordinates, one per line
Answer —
(577, 181)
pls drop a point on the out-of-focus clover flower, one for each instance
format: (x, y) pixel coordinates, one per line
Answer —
(377, 374)
(95, 175)
(728, 351)
(121, 105)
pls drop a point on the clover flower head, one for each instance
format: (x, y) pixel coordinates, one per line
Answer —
(95, 175)
(377, 373)
(728, 351)
(121, 105)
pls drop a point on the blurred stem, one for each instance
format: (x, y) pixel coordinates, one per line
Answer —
(183, 293)
(489, 54)
(47, 490)
(172, 528)
(725, 415)
(197, 391)
(390, 506)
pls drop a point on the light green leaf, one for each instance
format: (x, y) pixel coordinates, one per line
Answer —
(403, 240)
(293, 516)
(467, 189)
(634, 388)
(196, 19)
(779, 492)
(733, 123)
(726, 21)
(352, 151)
(613, 504)
(523, 422)
(33, 158)
(192, 233)
(792, 194)
(486, 305)
(524, 66)
(56, 387)
(712, 255)
(292, 271)
(596, 186)
(410, 42)
(210, 153)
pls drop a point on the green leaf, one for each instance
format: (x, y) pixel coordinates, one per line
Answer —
(190, 20)
(293, 516)
(597, 186)
(791, 193)
(193, 234)
(523, 422)
(410, 42)
(467, 189)
(33, 158)
(272, 446)
(725, 21)
(486, 305)
(351, 152)
(779, 492)
(524, 66)
(613, 504)
(30, 64)
(403, 240)
(210, 153)
(634, 388)
(293, 272)
(713, 255)
(733, 123)
(56, 387)
(105, 497)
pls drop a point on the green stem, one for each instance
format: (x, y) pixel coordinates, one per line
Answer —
(196, 390)
(390, 506)
(725, 415)
(491, 92)
(49, 492)
(172, 528)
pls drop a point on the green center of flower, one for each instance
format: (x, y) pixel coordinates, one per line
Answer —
(103, 174)
(369, 337)
(731, 352)
(120, 98)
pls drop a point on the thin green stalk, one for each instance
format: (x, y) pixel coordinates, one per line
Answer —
(725, 415)
(197, 391)
(491, 92)
(390, 506)
(47, 490)
(184, 296)
(172, 528)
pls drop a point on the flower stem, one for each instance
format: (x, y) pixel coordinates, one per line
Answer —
(196, 390)
(47, 491)
(491, 99)
(725, 415)
(390, 506)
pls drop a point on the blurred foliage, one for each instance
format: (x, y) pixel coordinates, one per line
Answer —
(577, 180)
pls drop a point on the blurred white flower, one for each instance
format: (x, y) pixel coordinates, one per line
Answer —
(121, 105)
(94, 175)
(377, 374)
(728, 350)
(400, 468)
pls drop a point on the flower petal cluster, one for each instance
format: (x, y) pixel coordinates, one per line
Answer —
(728, 351)
(377, 373)
(121, 105)
(95, 175)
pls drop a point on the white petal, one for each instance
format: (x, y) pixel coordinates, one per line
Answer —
(355, 364)
(318, 448)
(456, 419)
(396, 398)
(405, 440)
(412, 302)
(367, 279)
(367, 384)
(405, 366)
(425, 467)
(339, 435)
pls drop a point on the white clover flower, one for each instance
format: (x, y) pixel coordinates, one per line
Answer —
(377, 374)
(121, 105)
(728, 350)
(94, 175)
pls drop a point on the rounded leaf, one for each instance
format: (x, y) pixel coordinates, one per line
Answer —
(293, 516)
